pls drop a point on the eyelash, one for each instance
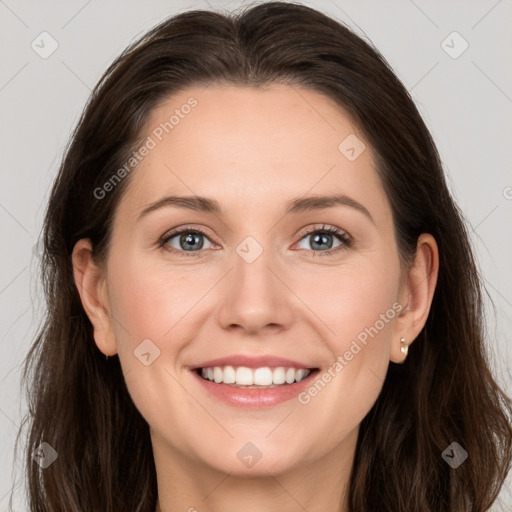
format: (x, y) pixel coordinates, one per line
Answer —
(342, 236)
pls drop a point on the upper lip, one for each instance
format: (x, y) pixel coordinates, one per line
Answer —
(251, 362)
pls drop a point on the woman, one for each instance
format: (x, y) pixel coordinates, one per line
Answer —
(202, 350)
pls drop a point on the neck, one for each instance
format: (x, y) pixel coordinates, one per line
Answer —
(314, 485)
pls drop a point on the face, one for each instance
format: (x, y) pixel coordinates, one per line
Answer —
(271, 279)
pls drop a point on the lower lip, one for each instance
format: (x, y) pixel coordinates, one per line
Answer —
(255, 398)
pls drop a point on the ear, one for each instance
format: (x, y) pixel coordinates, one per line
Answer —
(416, 294)
(91, 284)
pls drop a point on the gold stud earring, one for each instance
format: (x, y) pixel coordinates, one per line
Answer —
(404, 348)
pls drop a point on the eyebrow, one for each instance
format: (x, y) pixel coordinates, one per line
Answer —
(294, 206)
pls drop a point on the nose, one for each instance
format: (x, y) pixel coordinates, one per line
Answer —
(255, 296)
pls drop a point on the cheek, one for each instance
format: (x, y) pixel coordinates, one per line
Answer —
(149, 301)
(342, 395)
(352, 300)
(146, 306)
(358, 305)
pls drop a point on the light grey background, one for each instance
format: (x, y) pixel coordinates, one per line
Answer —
(466, 102)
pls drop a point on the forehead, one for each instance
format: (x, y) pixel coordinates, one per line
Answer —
(244, 145)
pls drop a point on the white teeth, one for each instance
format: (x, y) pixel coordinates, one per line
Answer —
(290, 375)
(301, 374)
(244, 376)
(217, 374)
(229, 376)
(265, 376)
(279, 375)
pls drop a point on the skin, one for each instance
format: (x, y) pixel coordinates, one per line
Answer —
(253, 149)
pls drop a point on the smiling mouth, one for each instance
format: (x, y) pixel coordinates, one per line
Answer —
(254, 378)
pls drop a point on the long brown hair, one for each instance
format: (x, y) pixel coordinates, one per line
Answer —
(444, 393)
